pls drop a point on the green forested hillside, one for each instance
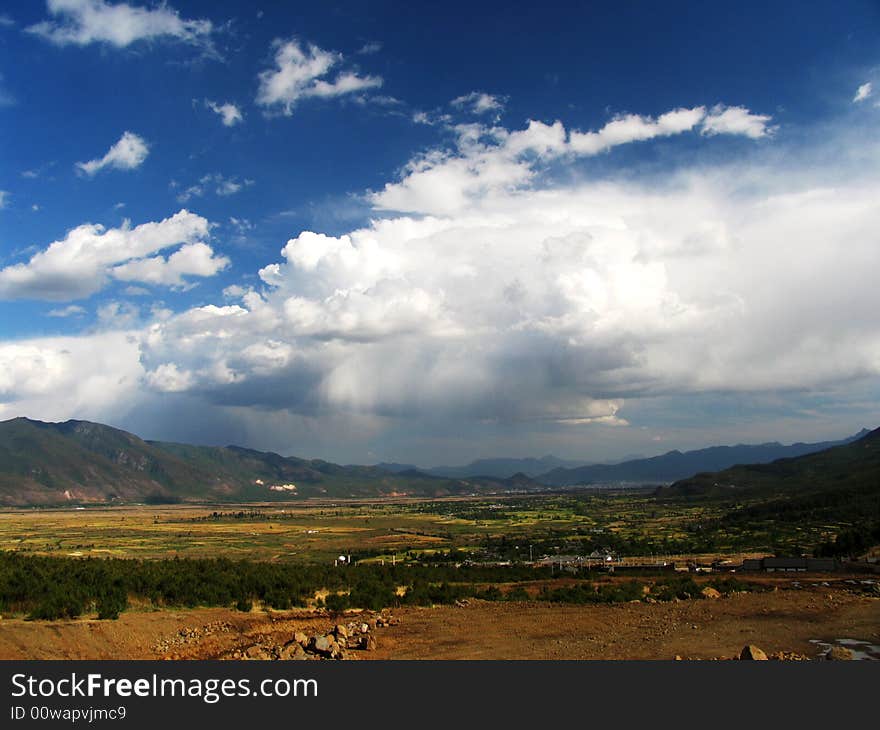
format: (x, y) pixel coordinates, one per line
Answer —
(83, 462)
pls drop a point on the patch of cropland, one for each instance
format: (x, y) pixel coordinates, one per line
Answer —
(52, 588)
(82, 462)
(632, 525)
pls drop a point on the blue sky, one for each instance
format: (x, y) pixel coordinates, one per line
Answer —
(430, 233)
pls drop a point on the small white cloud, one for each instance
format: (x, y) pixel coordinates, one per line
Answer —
(736, 120)
(6, 21)
(72, 310)
(234, 291)
(81, 22)
(863, 92)
(127, 154)
(118, 315)
(370, 48)
(240, 224)
(83, 261)
(299, 74)
(635, 128)
(226, 187)
(35, 172)
(216, 183)
(194, 259)
(136, 291)
(479, 102)
(35, 207)
(228, 112)
(4, 195)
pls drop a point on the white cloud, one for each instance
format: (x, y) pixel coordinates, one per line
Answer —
(127, 154)
(479, 102)
(234, 291)
(492, 160)
(81, 22)
(85, 260)
(70, 310)
(228, 112)
(193, 259)
(554, 303)
(636, 128)
(6, 21)
(300, 73)
(4, 196)
(863, 92)
(118, 315)
(736, 120)
(370, 48)
(93, 376)
(564, 301)
(214, 183)
(168, 378)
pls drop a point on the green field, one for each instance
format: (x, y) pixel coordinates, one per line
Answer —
(630, 524)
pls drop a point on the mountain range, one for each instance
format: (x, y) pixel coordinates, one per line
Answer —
(78, 462)
(498, 468)
(850, 467)
(675, 465)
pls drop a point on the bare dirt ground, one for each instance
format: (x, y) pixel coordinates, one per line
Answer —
(784, 620)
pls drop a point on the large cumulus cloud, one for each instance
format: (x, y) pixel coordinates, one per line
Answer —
(492, 296)
(553, 303)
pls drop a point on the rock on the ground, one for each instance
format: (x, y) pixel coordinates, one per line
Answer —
(839, 653)
(751, 651)
(325, 646)
(257, 652)
(710, 592)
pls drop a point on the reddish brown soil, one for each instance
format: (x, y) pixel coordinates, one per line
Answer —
(782, 620)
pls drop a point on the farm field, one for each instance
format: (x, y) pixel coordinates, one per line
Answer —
(629, 524)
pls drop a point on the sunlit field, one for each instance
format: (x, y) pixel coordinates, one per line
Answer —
(522, 528)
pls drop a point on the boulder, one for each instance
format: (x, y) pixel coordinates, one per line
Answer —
(339, 631)
(367, 642)
(751, 651)
(323, 645)
(839, 653)
(300, 638)
(257, 652)
(710, 592)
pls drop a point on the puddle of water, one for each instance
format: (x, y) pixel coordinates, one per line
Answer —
(861, 650)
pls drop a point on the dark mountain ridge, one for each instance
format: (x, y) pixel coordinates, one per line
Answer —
(854, 465)
(675, 465)
(80, 462)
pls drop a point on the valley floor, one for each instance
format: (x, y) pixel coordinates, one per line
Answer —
(789, 619)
